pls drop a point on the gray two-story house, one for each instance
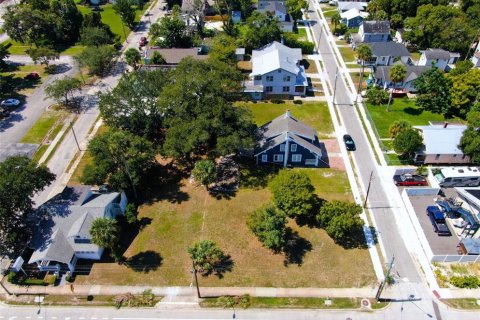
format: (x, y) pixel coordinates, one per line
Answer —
(285, 141)
(387, 53)
(276, 70)
(372, 31)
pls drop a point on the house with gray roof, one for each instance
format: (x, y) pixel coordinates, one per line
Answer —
(344, 6)
(372, 31)
(382, 77)
(387, 53)
(277, 8)
(285, 141)
(62, 233)
(441, 142)
(353, 17)
(442, 59)
(276, 70)
(173, 56)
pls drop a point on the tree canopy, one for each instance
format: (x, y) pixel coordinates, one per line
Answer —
(105, 234)
(433, 89)
(97, 59)
(259, 30)
(295, 7)
(132, 57)
(465, 91)
(60, 89)
(407, 141)
(470, 142)
(293, 193)
(170, 32)
(268, 224)
(206, 256)
(223, 49)
(404, 8)
(398, 126)
(43, 55)
(20, 179)
(204, 172)
(126, 12)
(4, 53)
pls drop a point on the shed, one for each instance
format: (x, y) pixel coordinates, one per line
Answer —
(240, 54)
(470, 246)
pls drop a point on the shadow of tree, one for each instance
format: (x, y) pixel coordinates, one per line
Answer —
(354, 240)
(295, 248)
(413, 111)
(225, 265)
(145, 261)
(254, 176)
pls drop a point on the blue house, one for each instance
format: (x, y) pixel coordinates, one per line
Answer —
(353, 18)
(285, 141)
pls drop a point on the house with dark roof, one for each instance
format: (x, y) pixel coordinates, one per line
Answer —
(285, 141)
(372, 31)
(277, 8)
(208, 6)
(353, 17)
(387, 53)
(276, 70)
(62, 233)
(382, 77)
(173, 56)
(442, 59)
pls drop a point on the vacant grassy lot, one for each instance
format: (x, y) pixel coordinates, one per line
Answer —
(401, 109)
(347, 53)
(186, 213)
(315, 114)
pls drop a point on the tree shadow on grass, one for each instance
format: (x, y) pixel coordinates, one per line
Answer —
(354, 240)
(295, 248)
(145, 261)
(310, 220)
(413, 111)
(255, 176)
(225, 265)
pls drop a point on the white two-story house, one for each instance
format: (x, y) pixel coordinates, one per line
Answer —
(276, 70)
(439, 58)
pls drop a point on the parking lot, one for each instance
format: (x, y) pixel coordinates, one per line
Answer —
(440, 245)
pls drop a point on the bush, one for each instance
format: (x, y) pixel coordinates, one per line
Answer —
(131, 213)
(297, 102)
(467, 282)
(277, 101)
(398, 126)
(51, 69)
(268, 224)
(50, 279)
(407, 142)
(292, 42)
(11, 277)
(377, 96)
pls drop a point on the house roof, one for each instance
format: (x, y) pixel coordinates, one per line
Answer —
(472, 245)
(275, 56)
(376, 26)
(240, 51)
(470, 194)
(440, 140)
(272, 6)
(413, 72)
(436, 54)
(390, 48)
(353, 13)
(175, 55)
(347, 5)
(287, 127)
(65, 217)
(187, 5)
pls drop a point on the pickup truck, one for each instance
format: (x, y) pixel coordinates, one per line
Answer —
(409, 180)
(437, 218)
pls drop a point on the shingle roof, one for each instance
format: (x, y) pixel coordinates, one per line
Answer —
(437, 54)
(273, 6)
(440, 140)
(383, 72)
(287, 127)
(376, 26)
(275, 56)
(390, 48)
(175, 55)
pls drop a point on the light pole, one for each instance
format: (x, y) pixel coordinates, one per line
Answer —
(368, 189)
(75, 136)
(335, 85)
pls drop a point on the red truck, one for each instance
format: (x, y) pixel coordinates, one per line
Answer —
(408, 180)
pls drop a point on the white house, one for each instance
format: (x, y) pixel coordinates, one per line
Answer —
(441, 144)
(353, 17)
(476, 56)
(278, 9)
(439, 58)
(276, 69)
(62, 235)
(344, 6)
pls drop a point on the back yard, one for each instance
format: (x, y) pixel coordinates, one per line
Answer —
(179, 213)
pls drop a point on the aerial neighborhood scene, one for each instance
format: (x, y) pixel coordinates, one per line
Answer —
(250, 159)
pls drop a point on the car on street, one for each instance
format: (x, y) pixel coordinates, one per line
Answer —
(437, 218)
(143, 41)
(406, 180)
(32, 76)
(10, 103)
(349, 143)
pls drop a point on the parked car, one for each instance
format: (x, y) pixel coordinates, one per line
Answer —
(32, 76)
(143, 41)
(409, 180)
(437, 218)
(349, 143)
(10, 103)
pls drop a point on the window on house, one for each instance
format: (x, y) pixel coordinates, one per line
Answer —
(264, 158)
(296, 157)
(286, 78)
(258, 78)
(278, 158)
(268, 89)
(282, 147)
(437, 157)
(269, 78)
(293, 148)
(286, 89)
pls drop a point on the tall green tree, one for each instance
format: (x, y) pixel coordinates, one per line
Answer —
(407, 142)
(43, 55)
(20, 179)
(204, 172)
(60, 89)
(268, 225)
(132, 57)
(336, 18)
(398, 126)
(126, 11)
(4, 53)
(295, 8)
(106, 234)
(68, 20)
(157, 58)
(120, 160)
(293, 193)
(364, 53)
(259, 30)
(94, 20)
(433, 89)
(470, 142)
(97, 59)
(465, 90)
(95, 36)
(341, 219)
(223, 49)
(398, 73)
(461, 67)
(206, 256)
(170, 32)
(132, 104)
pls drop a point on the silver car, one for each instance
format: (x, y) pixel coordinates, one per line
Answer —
(10, 103)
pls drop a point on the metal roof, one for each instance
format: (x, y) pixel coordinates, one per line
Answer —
(440, 140)
(472, 245)
(275, 56)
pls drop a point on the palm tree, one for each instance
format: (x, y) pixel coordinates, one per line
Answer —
(104, 232)
(397, 74)
(336, 19)
(364, 53)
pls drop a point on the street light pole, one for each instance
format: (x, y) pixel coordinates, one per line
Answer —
(368, 189)
(335, 85)
(75, 136)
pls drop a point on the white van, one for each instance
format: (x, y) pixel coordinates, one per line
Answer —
(457, 177)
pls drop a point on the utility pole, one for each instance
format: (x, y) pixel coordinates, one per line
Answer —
(194, 270)
(385, 281)
(368, 189)
(75, 136)
(335, 86)
(389, 100)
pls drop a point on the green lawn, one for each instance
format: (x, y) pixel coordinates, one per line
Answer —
(469, 304)
(16, 86)
(347, 53)
(329, 13)
(401, 109)
(315, 114)
(38, 132)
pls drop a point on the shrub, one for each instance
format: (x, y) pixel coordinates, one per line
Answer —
(377, 96)
(292, 42)
(277, 101)
(407, 142)
(131, 213)
(467, 282)
(297, 102)
(398, 126)
(50, 279)
(12, 277)
(268, 224)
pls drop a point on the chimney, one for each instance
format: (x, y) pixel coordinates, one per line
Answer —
(445, 124)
